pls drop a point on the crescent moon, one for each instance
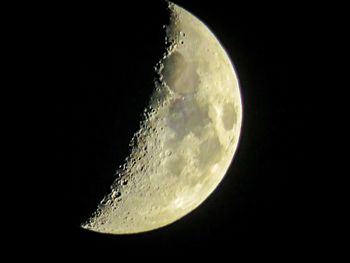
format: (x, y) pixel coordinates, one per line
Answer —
(187, 139)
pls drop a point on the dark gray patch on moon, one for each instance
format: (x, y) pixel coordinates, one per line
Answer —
(229, 116)
(210, 152)
(174, 66)
(179, 75)
(175, 165)
(186, 116)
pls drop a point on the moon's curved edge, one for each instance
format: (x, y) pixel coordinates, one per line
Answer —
(174, 11)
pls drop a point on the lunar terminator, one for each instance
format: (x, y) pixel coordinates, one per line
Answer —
(186, 141)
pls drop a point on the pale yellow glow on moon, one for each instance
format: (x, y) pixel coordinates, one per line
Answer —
(187, 140)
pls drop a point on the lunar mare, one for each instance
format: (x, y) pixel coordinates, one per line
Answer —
(187, 139)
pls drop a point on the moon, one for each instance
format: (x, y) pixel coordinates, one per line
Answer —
(187, 139)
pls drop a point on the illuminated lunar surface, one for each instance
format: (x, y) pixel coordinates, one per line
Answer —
(187, 139)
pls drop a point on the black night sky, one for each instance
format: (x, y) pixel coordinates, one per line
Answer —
(106, 70)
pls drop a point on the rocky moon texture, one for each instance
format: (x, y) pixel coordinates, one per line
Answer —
(186, 141)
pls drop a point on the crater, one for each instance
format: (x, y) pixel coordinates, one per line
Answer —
(229, 116)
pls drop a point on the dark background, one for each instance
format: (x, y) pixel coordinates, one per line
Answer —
(106, 56)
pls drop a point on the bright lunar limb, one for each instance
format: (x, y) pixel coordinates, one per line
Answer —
(186, 141)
